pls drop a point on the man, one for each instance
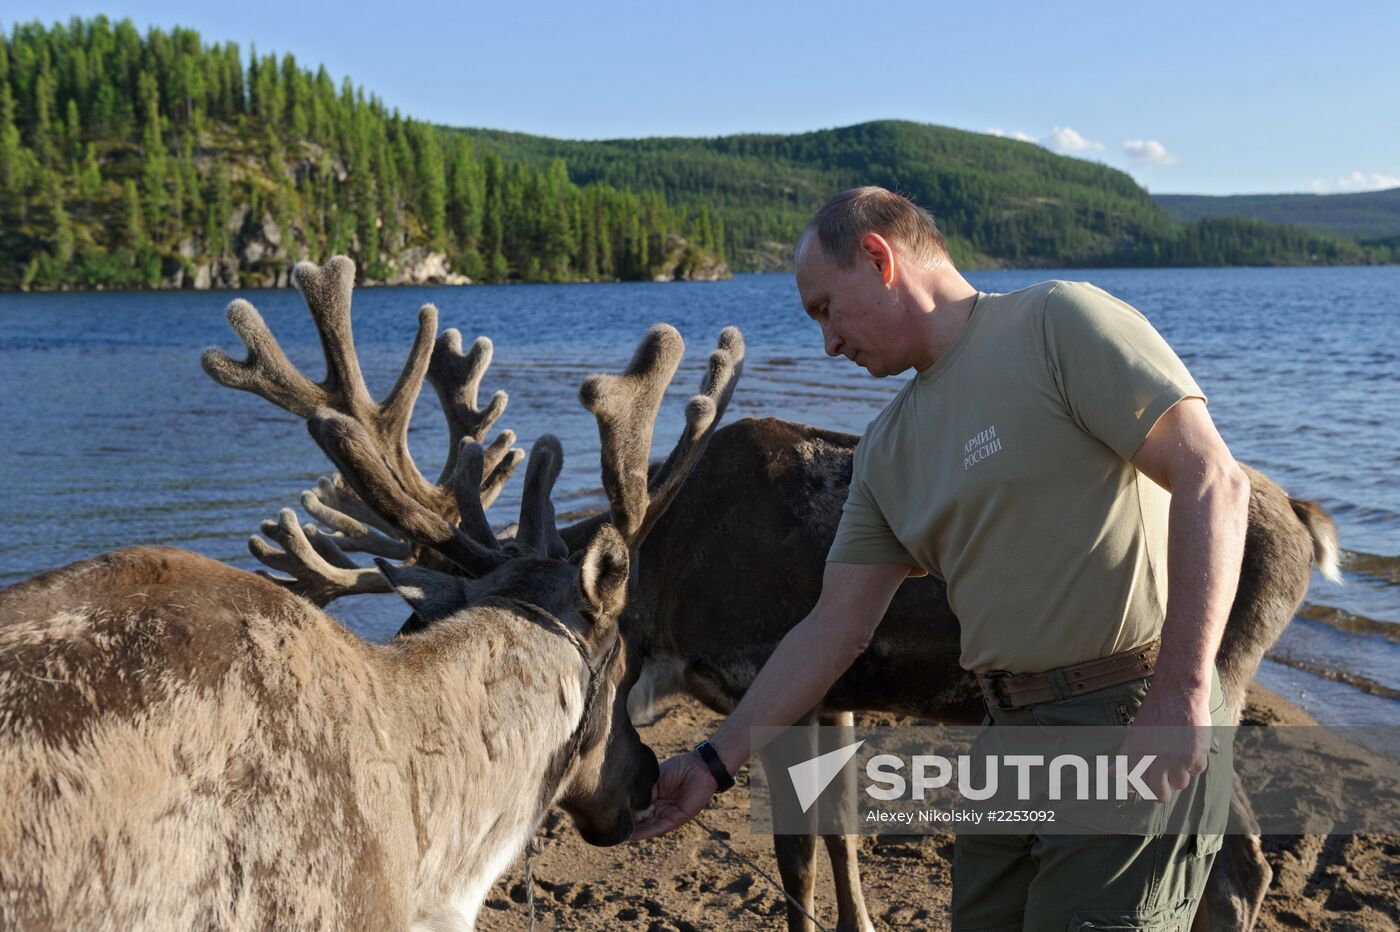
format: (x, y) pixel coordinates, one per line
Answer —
(1052, 461)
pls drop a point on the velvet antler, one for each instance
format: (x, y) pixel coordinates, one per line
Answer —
(626, 406)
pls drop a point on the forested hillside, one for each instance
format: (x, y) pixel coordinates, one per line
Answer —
(157, 160)
(1001, 201)
(131, 160)
(1366, 215)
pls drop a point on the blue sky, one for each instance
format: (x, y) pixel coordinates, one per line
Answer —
(1213, 98)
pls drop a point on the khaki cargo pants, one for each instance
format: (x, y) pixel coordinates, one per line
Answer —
(1079, 883)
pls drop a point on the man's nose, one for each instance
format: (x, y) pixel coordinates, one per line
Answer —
(832, 342)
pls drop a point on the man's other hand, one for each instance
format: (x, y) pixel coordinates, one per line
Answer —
(1174, 725)
(682, 790)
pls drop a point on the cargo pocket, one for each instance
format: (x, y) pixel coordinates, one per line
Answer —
(1087, 727)
(1217, 782)
(1212, 807)
(1167, 919)
(1202, 845)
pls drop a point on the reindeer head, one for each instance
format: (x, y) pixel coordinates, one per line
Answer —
(603, 774)
(455, 563)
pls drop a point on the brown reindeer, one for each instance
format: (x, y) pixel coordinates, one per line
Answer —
(737, 561)
(186, 745)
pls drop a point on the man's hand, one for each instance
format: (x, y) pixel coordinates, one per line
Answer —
(682, 790)
(793, 681)
(1173, 724)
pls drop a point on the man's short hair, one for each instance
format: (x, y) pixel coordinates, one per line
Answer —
(845, 220)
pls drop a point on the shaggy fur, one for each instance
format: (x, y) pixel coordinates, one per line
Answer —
(184, 745)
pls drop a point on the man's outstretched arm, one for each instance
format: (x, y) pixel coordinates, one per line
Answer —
(806, 662)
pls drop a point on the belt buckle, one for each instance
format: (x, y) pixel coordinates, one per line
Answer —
(994, 678)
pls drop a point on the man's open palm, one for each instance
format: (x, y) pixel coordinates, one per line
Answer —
(682, 790)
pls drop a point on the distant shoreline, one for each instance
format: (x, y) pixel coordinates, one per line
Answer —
(79, 289)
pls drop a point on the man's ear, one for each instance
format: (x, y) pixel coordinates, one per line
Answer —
(602, 574)
(431, 594)
(880, 253)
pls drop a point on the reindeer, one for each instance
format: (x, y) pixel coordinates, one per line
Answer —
(737, 560)
(187, 745)
(762, 508)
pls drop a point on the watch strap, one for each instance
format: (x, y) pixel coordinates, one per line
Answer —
(707, 753)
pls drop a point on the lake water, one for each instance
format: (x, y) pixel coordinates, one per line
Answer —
(111, 435)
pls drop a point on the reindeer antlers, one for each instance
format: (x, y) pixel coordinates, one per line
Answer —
(320, 570)
(379, 454)
(379, 485)
(456, 377)
(381, 504)
(626, 407)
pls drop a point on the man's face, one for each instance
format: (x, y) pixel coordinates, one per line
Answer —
(858, 314)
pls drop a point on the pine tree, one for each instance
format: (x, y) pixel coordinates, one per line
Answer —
(432, 183)
(43, 121)
(153, 173)
(90, 179)
(216, 231)
(64, 241)
(12, 179)
(131, 207)
(366, 213)
(465, 197)
(73, 130)
(557, 234)
(493, 219)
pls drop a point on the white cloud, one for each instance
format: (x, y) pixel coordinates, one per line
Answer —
(1063, 139)
(1023, 137)
(1356, 181)
(1148, 153)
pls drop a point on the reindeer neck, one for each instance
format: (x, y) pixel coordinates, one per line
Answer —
(488, 701)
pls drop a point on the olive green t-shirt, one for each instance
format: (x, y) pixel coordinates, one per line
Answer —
(1003, 469)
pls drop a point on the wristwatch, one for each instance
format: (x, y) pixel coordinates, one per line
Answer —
(707, 753)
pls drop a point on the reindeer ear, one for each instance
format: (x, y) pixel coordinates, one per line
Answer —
(432, 595)
(602, 573)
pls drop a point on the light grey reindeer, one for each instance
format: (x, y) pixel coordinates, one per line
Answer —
(186, 745)
(737, 560)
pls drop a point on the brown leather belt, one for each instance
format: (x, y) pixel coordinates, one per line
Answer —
(1008, 691)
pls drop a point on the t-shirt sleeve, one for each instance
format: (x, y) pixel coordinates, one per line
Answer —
(1116, 374)
(864, 536)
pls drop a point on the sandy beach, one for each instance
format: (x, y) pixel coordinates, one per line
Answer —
(687, 881)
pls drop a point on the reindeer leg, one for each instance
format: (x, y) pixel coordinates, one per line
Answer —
(843, 850)
(1240, 877)
(797, 860)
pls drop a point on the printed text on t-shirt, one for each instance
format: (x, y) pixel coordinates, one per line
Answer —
(981, 445)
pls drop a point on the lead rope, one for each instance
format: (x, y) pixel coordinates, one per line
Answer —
(761, 872)
(594, 680)
(530, 850)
